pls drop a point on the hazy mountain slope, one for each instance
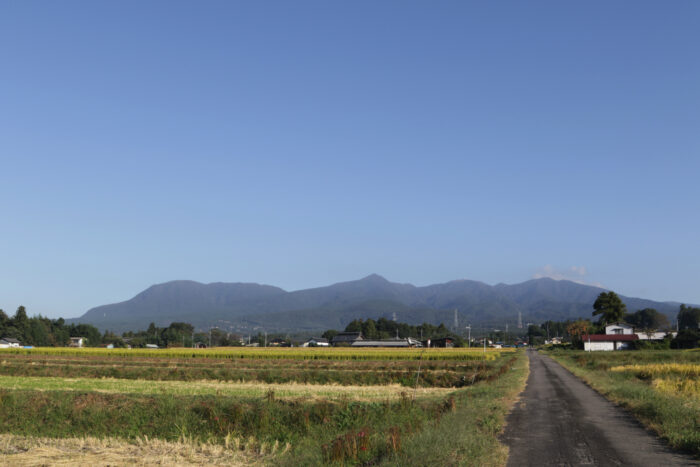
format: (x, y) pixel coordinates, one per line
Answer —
(244, 307)
(180, 301)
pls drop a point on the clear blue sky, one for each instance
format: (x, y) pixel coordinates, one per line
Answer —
(304, 143)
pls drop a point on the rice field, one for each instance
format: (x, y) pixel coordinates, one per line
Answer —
(243, 406)
(675, 379)
(297, 353)
(651, 370)
(83, 363)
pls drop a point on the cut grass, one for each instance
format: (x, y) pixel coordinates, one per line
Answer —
(214, 388)
(31, 451)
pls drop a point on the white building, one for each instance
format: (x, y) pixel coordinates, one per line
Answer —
(77, 342)
(619, 328)
(655, 335)
(8, 342)
(595, 342)
(316, 342)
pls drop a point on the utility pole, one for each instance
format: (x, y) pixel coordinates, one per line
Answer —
(469, 339)
(210, 337)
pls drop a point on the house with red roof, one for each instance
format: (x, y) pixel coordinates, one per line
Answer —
(594, 342)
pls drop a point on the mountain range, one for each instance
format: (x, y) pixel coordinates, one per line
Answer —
(248, 307)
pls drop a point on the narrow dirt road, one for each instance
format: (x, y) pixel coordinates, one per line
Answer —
(559, 421)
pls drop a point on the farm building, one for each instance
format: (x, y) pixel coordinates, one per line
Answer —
(316, 342)
(439, 342)
(346, 338)
(408, 342)
(595, 342)
(655, 335)
(77, 342)
(7, 342)
(279, 343)
(618, 336)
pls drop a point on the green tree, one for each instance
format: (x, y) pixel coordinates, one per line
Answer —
(354, 326)
(4, 322)
(21, 322)
(38, 332)
(534, 334)
(609, 307)
(647, 320)
(369, 329)
(688, 318)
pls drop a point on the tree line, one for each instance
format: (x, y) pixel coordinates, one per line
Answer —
(44, 332)
(39, 331)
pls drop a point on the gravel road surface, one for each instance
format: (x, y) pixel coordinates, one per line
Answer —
(560, 421)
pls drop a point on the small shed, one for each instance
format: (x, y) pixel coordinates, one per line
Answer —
(77, 342)
(279, 343)
(395, 343)
(439, 342)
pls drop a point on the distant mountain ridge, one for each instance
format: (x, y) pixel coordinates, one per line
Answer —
(246, 307)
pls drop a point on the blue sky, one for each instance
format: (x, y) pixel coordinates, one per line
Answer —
(304, 143)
